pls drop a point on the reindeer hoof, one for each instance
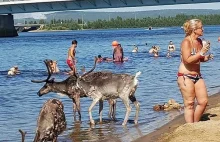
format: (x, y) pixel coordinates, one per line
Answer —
(123, 124)
(92, 122)
(135, 122)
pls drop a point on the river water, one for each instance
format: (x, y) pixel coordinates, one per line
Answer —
(20, 105)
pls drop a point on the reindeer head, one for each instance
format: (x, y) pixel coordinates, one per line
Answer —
(66, 86)
(48, 86)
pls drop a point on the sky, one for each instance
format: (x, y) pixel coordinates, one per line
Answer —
(40, 15)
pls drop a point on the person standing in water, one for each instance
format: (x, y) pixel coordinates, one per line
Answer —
(191, 84)
(71, 59)
(171, 47)
(118, 54)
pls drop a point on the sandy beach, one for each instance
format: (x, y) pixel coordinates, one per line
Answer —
(207, 130)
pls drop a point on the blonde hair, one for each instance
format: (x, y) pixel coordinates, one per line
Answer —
(190, 25)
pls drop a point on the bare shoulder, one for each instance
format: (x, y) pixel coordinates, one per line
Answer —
(71, 48)
(185, 43)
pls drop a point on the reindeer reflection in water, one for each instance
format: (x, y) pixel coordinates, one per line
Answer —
(51, 122)
(97, 85)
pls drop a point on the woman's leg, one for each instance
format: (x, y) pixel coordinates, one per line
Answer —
(187, 90)
(202, 99)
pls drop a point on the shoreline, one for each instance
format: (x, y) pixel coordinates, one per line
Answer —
(160, 133)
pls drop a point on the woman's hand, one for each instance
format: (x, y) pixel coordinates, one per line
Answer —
(207, 58)
(205, 48)
(210, 56)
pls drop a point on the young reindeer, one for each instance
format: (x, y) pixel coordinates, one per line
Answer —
(51, 122)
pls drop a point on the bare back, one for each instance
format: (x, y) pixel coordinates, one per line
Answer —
(118, 54)
(71, 53)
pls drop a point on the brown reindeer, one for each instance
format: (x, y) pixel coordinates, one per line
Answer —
(51, 122)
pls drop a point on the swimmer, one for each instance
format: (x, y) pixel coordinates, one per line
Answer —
(101, 59)
(13, 71)
(135, 49)
(154, 50)
(53, 66)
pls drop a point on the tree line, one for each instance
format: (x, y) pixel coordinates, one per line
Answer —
(119, 22)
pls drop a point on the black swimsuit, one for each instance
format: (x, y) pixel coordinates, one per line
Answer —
(193, 77)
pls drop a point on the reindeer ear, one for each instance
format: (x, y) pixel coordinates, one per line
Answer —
(52, 79)
(76, 75)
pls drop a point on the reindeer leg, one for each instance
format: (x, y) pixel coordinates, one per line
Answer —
(100, 110)
(90, 110)
(96, 97)
(37, 135)
(77, 100)
(74, 107)
(54, 139)
(110, 108)
(137, 105)
(114, 109)
(128, 108)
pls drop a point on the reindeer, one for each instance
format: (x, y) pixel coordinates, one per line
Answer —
(65, 87)
(51, 122)
(104, 86)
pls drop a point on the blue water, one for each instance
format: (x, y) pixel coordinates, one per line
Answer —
(20, 105)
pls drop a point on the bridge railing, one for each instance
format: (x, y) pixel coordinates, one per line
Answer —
(11, 0)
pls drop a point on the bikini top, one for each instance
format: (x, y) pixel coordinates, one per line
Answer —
(171, 47)
(193, 52)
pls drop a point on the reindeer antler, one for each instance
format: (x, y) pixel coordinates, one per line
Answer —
(92, 68)
(22, 134)
(48, 77)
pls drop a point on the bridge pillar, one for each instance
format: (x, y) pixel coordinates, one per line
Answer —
(7, 28)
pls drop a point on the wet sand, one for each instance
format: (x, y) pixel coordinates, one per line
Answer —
(208, 129)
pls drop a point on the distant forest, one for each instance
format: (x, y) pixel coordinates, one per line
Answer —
(119, 22)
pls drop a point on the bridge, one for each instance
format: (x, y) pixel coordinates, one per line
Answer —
(27, 27)
(27, 6)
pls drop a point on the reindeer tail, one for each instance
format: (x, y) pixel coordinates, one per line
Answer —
(135, 78)
(137, 74)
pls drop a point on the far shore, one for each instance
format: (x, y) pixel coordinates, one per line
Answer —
(48, 30)
(177, 130)
(84, 29)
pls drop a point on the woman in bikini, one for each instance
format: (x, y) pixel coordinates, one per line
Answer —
(191, 84)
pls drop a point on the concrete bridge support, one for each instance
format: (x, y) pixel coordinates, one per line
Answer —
(7, 28)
